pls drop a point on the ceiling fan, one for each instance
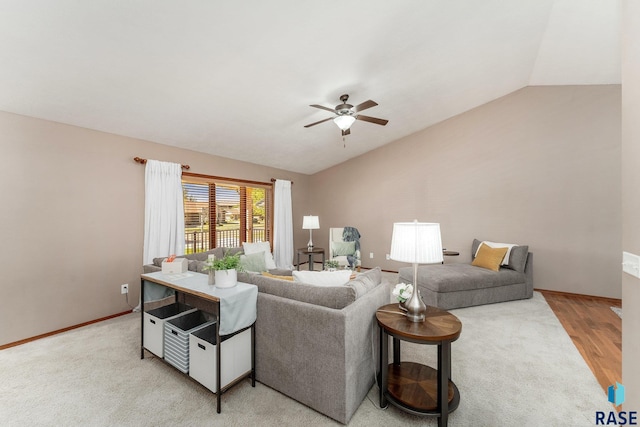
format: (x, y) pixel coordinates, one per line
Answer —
(346, 114)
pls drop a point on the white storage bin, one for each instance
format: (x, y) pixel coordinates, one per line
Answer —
(176, 337)
(235, 355)
(153, 321)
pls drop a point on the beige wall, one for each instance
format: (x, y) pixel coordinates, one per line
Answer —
(631, 201)
(540, 166)
(71, 220)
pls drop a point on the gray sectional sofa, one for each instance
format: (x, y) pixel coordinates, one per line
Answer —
(315, 344)
(449, 286)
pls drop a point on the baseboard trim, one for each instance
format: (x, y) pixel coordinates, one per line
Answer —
(613, 301)
(59, 331)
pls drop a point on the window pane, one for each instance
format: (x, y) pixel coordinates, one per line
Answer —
(196, 217)
(223, 214)
(228, 216)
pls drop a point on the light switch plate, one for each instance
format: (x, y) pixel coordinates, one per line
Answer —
(631, 264)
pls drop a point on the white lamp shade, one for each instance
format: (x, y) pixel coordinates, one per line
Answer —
(416, 242)
(310, 222)
(344, 122)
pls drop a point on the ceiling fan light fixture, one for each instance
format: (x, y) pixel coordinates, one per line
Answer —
(344, 122)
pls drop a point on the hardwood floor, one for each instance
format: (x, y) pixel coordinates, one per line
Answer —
(595, 329)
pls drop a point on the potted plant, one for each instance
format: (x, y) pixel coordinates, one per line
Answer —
(331, 265)
(225, 270)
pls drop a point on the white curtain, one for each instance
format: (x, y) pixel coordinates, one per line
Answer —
(283, 225)
(163, 210)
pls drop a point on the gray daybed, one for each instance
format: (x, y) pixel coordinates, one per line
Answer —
(449, 286)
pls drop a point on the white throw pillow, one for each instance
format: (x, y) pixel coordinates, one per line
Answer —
(505, 260)
(253, 248)
(322, 278)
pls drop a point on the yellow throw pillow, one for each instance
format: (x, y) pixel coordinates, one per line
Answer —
(489, 258)
(266, 273)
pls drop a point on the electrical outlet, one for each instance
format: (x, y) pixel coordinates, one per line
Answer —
(124, 289)
(370, 254)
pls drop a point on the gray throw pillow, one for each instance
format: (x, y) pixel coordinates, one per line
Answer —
(518, 258)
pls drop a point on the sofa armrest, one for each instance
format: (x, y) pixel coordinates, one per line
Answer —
(528, 274)
(319, 356)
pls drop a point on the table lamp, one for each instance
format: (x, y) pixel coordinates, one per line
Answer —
(310, 222)
(417, 243)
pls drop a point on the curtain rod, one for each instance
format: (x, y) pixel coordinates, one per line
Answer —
(274, 180)
(144, 161)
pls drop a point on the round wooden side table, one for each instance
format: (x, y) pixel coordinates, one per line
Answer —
(413, 387)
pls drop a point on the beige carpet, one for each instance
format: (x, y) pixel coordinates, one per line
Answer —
(514, 365)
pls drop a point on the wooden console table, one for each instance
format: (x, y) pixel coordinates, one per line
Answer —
(413, 387)
(238, 302)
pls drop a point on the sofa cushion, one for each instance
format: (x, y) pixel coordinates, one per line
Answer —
(489, 258)
(202, 256)
(364, 282)
(460, 277)
(322, 278)
(337, 297)
(198, 266)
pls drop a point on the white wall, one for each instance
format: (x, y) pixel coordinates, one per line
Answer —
(631, 200)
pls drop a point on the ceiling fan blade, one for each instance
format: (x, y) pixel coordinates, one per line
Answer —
(364, 106)
(317, 123)
(323, 108)
(381, 122)
(346, 132)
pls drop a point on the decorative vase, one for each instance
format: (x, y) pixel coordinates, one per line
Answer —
(212, 277)
(402, 305)
(226, 278)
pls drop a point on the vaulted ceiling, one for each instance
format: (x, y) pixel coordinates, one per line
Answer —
(236, 78)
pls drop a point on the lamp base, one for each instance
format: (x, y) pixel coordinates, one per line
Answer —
(416, 318)
(416, 308)
(310, 244)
